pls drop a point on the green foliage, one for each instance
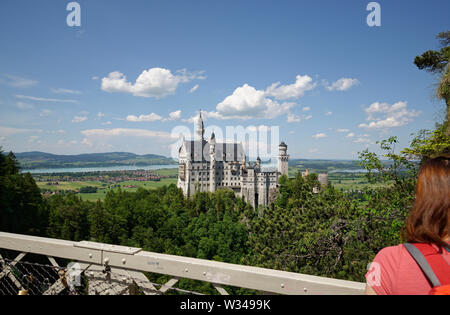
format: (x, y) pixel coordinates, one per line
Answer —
(68, 217)
(22, 209)
(399, 168)
(88, 190)
(437, 62)
(332, 234)
(433, 61)
(428, 144)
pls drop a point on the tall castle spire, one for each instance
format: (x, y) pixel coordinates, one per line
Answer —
(200, 130)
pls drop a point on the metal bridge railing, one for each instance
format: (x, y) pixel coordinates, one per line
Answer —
(102, 269)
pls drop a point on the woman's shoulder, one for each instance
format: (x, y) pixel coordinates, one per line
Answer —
(397, 272)
(391, 253)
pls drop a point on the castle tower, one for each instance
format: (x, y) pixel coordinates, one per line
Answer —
(212, 163)
(200, 129)
(283, 159)
(323, 179)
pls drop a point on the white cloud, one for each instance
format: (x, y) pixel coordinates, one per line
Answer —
(193, 119)
(107, 123)
(293, 118)
(95, 77)
(66, 143)
(291, 91)
(59, 131)
(87, 142)
(362, 140)
(154, 117)
(342, 84)
(41, 99)
(246, 102)
(65, 91)
(32, 139)
(307, 108)
(16, 81)
(308, 117)
(79, 119)
(383, 115)
(7, 131)
(144, 118)
(350, 135)
(175, 115)
(154, 82)
(100, 115)
(342, 130)
(22, 105)
(126, 132)
(45, 112)
(194, 88)
(319, 136)
(328, 113)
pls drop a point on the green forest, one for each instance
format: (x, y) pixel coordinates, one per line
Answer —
(330, 234)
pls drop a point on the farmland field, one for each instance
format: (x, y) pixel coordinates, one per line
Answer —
(102, 188)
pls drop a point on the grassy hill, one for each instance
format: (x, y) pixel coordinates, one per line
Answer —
(37, 160)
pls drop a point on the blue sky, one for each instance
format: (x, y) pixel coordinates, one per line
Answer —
(135, 70)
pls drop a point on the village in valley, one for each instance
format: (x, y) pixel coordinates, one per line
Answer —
(94, 185)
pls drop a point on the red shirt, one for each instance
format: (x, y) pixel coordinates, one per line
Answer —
(395, 272)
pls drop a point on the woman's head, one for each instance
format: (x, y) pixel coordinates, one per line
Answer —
(429, 220)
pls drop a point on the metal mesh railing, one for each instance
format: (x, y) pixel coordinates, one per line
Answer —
(31, 278)
(97, 268)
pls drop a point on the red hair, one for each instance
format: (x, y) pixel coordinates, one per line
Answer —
(429, 220)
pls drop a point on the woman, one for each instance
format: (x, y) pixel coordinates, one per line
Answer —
(394, 270)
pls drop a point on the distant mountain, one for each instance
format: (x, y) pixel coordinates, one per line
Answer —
(37, 160)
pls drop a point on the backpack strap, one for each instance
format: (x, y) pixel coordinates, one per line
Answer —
(433, 265)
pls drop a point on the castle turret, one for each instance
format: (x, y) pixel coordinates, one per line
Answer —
(200, 129)
(212, 163)
(283, 159)
(323, 179)
(258, 163)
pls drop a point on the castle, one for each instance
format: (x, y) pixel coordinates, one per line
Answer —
(208, 165)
